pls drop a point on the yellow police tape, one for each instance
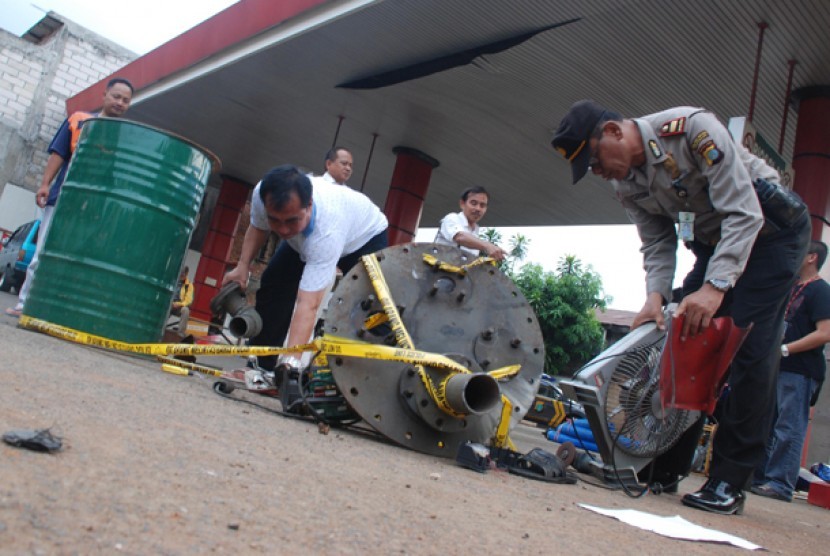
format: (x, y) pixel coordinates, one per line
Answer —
(324, 346)
(402, 337)
(328, 345)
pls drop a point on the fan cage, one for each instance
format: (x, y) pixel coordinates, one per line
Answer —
(637, 422)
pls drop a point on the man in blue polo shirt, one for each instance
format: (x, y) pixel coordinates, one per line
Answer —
(117, 97)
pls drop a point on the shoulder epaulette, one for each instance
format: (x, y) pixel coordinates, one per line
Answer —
(673, 127)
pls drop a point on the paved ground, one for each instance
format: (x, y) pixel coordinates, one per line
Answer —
(159, 464)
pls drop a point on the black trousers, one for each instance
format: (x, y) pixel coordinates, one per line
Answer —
(744, 415)
(278, 288)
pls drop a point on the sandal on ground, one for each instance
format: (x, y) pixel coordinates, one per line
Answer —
(543, 466)
(14, 312)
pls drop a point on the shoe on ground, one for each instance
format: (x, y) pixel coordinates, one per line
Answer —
(768, 491)
(14, 311)
(718, 497)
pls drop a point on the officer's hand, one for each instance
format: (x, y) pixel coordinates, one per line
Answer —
(495, 252)
(42, 195)
(699, 309)
(652, 311)
(238, 275)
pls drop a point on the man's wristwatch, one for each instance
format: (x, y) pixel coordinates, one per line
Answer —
(785, 351)
(720, 285)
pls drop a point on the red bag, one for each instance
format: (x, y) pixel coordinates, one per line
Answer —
(692, 370)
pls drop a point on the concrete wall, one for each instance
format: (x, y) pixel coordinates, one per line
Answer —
(35, 81)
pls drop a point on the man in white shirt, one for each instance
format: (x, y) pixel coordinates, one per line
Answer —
(460, 229)
(338, 165)
(322, 227)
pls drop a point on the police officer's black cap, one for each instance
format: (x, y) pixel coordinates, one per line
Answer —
(573, 136)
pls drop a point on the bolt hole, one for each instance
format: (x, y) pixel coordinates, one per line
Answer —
(338, 361)
(377, 417)
(439, 423)
(424, 403)
(353, 391)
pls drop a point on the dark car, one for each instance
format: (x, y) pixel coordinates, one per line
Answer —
(551, 406)
(16, 255)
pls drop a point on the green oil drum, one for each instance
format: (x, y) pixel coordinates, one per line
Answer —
(112, 256)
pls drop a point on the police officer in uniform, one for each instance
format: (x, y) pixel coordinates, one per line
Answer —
(679, 175)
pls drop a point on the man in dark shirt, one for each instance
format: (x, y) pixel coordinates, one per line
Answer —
(801, 374)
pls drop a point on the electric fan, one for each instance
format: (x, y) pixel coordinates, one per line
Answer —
(620, 391)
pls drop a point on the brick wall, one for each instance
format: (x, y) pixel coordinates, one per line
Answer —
(35, 82)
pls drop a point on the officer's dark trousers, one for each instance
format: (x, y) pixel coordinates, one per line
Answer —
(277, 292)
(745, 414)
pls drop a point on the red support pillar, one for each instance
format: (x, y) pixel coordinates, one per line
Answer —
(405, 200)
(811, 154)
(218, 242)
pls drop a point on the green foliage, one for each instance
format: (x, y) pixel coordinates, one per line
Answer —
(519, 245)
(564, 303)
(492, 235)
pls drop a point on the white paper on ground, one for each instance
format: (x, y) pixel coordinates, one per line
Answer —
(673, 526)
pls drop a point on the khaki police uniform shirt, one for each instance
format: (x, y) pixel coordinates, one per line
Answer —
(715, 185)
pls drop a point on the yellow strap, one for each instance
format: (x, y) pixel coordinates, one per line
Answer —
(375, 320)
(173, 369)
(505, 372)
(188, 365)
(431, 260)
(500, 440)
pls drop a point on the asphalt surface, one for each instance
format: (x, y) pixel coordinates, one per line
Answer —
(155, 463)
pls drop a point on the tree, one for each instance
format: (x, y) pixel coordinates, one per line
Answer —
(564, 303)
(569, 265)
(518, 248)
(492, 235)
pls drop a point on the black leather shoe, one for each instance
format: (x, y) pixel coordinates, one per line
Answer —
(718, 497)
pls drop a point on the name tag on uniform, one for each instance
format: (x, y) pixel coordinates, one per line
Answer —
(687, 226)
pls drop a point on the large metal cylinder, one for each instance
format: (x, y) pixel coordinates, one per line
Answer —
(467, 312)
(111, 259)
